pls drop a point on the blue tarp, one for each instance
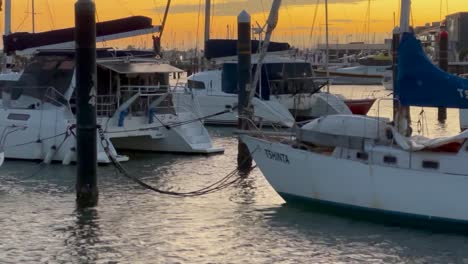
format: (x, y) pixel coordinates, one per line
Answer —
(421, 83)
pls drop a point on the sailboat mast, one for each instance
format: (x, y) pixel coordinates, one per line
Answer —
(7, 18)
(272, 22)
(405, 16)
(33, 17)
(327, 45)
(163, 24)
(207, 20)
(402, 116)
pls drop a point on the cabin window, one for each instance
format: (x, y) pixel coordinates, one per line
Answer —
(191, 84)
(19, 117)
(427, 164)
(362, 155)
(390, 159)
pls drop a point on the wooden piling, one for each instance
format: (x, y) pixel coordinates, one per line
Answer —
(443, 64)
(85, 39)
(244, 76)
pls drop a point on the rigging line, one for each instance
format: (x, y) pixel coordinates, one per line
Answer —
(35, 141)
(212, 13)
(171, 125)
(156, 11)
(314, 20)
(51, 16)
(440, 11)
(447, 6)
(412, 19)
(263, 9)
(24, 18)
(198, 28)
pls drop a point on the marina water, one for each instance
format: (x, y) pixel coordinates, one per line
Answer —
(248, 223)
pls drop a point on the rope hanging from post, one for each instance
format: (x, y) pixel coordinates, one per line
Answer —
(229, 180)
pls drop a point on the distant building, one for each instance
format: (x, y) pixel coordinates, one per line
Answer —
(457, 27)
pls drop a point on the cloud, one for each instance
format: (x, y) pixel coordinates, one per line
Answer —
(234, 7)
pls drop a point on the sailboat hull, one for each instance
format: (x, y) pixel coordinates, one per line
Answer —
(327, 180)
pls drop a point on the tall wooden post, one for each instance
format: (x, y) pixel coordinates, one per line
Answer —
(244, 53)
(85, 40)
(443, 64)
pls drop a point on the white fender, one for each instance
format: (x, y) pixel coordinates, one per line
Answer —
(50, 154)
(69, 156)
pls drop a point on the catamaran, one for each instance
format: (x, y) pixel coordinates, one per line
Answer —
(368, 164)
(134, 100)
(134, 104)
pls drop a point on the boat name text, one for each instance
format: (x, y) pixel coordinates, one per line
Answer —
(277, 156)
(463, 93)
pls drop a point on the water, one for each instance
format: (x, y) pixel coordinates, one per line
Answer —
(245, 224)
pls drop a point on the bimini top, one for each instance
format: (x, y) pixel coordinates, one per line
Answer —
(421, 83)
(122, 67)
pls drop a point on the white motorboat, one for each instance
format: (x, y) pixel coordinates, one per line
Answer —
(367, 164)
(370, 70)
(133, 101)
(287, 90)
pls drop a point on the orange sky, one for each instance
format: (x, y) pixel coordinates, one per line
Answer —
(347, 18)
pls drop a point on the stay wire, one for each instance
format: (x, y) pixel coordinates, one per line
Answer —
(36, 141)
(170, 125)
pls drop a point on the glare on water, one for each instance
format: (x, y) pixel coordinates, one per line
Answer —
(247, 223)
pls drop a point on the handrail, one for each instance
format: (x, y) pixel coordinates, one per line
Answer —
(51, 94)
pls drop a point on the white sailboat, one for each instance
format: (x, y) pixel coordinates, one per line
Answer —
(286, 88)
(279, 99)
(366, 164)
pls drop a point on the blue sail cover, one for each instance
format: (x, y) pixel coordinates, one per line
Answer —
(421, 83)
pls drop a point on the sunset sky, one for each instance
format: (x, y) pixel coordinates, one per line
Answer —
(347, 18)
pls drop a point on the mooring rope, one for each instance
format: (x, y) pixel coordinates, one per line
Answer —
(230, 179)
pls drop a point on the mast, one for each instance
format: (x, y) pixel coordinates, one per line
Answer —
(207, 21)
(7, 18)
(271, 25)
(327, 46)
(163, 24)
(33, 17)
(402, 113)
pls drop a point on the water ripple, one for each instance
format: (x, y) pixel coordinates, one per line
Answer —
(245, 224)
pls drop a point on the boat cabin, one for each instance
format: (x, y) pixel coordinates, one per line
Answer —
(125, 83)
(278, 77)
(134, 86)
(46, 78)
